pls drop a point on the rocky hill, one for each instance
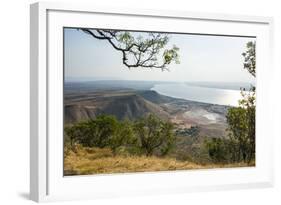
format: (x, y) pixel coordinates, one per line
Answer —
(122, 104)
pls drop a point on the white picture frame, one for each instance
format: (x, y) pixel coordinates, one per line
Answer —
(47, 182)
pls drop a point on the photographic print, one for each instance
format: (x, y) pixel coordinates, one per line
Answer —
(146, 101)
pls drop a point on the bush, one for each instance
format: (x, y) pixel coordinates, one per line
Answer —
(217, 149)
(222, 150)
(93, 133)
(142, 136)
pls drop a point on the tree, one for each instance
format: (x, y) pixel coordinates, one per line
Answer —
(237, 124)
(169, 138)
(146, 50)
(123, 136)
(154, 134)
(250, 58)
(241, 120)
(106, 126)
(248, 103)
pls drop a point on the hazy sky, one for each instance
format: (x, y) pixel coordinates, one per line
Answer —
(202, 58)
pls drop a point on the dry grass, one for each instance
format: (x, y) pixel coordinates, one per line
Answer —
(83, 161)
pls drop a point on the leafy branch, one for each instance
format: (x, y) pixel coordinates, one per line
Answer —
(146, 51)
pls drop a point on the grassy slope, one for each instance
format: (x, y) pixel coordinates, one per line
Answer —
(84, 161)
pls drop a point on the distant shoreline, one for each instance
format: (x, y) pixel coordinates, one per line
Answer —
(210, 95)
(220, 93)
(208, 84)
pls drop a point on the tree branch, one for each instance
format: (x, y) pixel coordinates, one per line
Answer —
(145, 52)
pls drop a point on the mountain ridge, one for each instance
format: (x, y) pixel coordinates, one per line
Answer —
(127, 105)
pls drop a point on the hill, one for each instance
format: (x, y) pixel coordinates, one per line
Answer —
(122, 104)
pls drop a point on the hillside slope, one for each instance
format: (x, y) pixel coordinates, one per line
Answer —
(86, 161)
(124, 105)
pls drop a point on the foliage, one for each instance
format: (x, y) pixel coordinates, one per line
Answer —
(123, 136)
(250, 58)
(146, 135)
(223, 150)
(217, 149)
(154, 134)
(242, 120)
(240, 144)
(71, 134)
(96, 132)
(236, 119)
(249, 104)
(147, 50)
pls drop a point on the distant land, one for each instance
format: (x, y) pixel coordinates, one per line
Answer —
(141, 84)
(134, 99)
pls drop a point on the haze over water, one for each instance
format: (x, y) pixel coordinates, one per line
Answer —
(199, 94)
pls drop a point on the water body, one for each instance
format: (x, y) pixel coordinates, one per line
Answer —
(198, 93)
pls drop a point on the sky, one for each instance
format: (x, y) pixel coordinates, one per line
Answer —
(203, 58)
